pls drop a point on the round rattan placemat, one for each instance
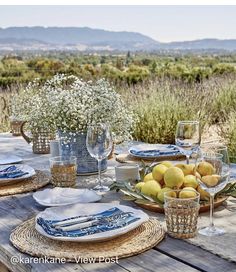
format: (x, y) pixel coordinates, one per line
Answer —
(127, 158)
(26, 239)
(38, 181)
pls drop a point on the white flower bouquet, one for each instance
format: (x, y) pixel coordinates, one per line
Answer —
(68, 104)
(75, 104)
(31, 105)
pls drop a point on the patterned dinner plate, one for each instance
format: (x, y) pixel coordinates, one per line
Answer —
(70, 211)
(152, 151)
(30, 172)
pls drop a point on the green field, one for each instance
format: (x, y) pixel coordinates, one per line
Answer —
(120, 69)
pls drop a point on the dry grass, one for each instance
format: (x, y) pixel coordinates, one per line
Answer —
(160, 104)
(5, 98)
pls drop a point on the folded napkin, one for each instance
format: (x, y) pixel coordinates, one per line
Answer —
(163, 151)
(11, 172)
(232, 176)
(107, 220)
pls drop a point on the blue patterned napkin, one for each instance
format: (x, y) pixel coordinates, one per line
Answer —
(232, 175)
(121, 219)
(167, 150)
(11, 172)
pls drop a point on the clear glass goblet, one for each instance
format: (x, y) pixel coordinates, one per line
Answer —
(99, 145)
(188, 137)
(212, 172)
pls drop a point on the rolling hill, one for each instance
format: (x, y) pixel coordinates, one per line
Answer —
(88, 39)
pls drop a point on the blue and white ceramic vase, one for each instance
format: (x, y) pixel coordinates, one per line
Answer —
(74, 144)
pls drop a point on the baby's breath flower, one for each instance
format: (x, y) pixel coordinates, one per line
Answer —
(67, 103)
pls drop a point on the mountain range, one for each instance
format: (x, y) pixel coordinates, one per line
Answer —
(88, 39)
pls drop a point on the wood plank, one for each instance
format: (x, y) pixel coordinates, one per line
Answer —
(152, 261)
(103, 267)
(3, 268)
(194, 256)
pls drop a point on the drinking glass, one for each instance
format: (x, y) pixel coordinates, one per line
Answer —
(99, 145)
(181, 214)
(212, 172)
(63, 171)
(188, 137)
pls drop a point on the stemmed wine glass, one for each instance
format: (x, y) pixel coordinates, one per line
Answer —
(99, 146)
(188, 137)
(212, 172)
(220, 149)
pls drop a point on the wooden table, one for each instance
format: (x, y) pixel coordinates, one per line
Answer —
(170, 255)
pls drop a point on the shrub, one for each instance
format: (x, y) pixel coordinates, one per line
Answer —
(224, 102)
(160, 105)
(228, 133)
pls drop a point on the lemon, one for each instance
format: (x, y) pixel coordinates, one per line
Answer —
(151, 188)
(158, 172)
(174, 177)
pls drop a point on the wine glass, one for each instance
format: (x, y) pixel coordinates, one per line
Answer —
(221, 149)
(188, 137)
(212, 172)
(99, 146)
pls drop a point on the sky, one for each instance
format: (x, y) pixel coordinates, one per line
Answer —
(162, 23)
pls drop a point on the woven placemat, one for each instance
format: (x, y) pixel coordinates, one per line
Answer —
(26, 239)
(38, 181)
(127, 158)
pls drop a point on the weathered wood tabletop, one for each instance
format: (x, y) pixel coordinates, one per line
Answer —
(170, 255)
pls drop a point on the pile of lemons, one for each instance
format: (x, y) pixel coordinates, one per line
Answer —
(165, 177)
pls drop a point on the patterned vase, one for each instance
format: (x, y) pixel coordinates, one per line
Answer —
(74, 144)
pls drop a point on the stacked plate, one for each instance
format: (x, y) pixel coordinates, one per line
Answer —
(10, 174)
(155, 151)
(82, 222)
(88, 223)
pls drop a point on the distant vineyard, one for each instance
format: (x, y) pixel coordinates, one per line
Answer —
(120, 69)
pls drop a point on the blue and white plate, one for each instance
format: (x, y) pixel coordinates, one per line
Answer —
(44, 219)
(26, 169)
(153, 151)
